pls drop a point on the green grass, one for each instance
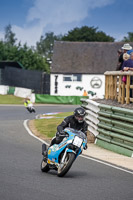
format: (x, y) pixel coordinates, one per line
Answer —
(48, 127)
(11, 99)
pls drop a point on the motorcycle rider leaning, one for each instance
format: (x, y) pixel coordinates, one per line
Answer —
(75, 121)
(27, 102)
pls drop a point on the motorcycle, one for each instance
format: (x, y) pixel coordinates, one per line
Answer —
(60, 157)
(30, 108)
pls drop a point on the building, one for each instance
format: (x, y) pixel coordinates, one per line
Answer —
(79, 66)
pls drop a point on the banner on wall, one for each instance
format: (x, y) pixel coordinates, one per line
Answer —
(4, 89)
(49, 99)
(22, 92)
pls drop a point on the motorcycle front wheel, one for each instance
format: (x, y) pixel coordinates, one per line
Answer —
(44, 166)
(63, 168)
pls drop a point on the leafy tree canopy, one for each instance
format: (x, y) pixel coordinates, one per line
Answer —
(45, 46)
(129, 38)
(9, 36)
(87, 34)
(28, 57)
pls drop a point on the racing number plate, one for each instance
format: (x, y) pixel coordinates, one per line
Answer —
(77, 141)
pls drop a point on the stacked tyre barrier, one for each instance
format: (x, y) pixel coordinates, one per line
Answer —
(111, 126)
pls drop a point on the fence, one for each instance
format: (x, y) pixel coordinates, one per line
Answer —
(116, 89)
(112, 126)
(38, 81)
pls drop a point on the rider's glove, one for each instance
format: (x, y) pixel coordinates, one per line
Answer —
(62, 132)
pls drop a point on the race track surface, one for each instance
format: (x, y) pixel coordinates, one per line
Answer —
(20, 175)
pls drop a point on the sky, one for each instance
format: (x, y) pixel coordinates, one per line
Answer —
(32, 18)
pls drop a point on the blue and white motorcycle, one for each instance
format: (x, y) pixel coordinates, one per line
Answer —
(60, 157)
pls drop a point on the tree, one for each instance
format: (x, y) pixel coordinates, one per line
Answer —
(9, 36)
(29, 58)
(32, 60)
(129, 38)
(45, 46)
(2, 50)
(87, 34)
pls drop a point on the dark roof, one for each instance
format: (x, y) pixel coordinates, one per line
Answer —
(85, 57)
(4, 64)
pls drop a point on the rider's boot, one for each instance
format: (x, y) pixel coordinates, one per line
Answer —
(45, 155)
(44, 152)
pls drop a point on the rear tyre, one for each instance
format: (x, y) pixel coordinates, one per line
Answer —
(44, 166)
(64, 168)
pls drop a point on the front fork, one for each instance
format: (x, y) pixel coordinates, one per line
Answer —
(64, 156)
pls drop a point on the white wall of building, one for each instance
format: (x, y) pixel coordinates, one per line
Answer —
(94, 83)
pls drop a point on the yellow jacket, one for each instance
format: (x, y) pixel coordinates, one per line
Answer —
(27, 102)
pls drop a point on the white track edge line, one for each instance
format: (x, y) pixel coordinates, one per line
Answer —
(110, 165)
(30, 133)
(89, 158)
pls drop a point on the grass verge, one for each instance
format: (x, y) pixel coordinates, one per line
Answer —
(11, 99)
(48, 127)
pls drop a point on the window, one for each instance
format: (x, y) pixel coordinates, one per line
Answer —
(72, 77)
(67, 78)
(77, 77)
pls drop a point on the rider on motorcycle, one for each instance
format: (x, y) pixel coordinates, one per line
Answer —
(29, 106)
(75, 121)
(27, 102)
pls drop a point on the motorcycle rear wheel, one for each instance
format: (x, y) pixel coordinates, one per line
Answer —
(62, 170)
(44, 166)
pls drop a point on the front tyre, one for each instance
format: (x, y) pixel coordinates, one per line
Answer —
(63, 168)
(44, 166)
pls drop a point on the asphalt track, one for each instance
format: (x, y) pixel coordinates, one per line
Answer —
(20, 175)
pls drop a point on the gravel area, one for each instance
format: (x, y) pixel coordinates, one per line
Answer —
(114, 103)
